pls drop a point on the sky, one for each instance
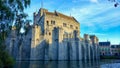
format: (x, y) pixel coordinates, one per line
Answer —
(96, 17)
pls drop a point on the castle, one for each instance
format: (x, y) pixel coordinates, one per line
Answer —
(53, 36)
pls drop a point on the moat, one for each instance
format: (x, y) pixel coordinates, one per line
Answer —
(68, 64)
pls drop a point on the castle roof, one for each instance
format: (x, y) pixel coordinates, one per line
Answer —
(104, 43)
(61, 15)
(115, 46)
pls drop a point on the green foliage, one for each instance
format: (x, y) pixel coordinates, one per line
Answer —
(27, 26)
(116, 2)
(13, 11)
(21, 22)
(3, 35)
(109, 57)
(10, 8)
(1, 63)
(10, 11)
(5, 58)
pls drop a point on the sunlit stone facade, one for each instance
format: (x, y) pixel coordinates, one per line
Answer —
(49, 20)
(60, 35)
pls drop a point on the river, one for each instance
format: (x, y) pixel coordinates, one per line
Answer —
(68, 64)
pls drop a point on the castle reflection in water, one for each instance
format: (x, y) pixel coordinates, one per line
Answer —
(64, 64)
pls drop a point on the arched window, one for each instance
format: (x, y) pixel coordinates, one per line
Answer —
(64, 24)
(49, 33)
(52, 22)
(76, 27)
(47, 22)
(71, 26)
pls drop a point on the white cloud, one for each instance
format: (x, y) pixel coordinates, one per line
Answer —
(75, 1)
(98, 34)
(94, 1)
(103, 15)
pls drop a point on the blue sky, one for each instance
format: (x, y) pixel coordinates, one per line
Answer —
(98, 17)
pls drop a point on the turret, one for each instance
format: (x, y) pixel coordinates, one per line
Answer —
(94, 39)
(86, 36)
(42, 10)
(34, 17)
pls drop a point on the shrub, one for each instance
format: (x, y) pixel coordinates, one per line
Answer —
(1, 64)
(7, 60)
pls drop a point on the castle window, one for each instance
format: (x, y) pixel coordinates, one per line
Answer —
(64, 24)
(76, 27)
(49, 33)
(37, 39)
(71, 26)
(64, 36)
(47, 22)
(52, 22)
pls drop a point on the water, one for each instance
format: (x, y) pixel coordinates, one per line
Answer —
(68, 64)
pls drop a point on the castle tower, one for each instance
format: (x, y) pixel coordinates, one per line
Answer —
(35, 42)
(36, 36)
(86, 46)
(42, 11)
(54, 27)
(94, 41)
(86, 37)
(48, 20)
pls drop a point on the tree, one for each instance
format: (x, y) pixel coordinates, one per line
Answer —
(117, 2)
(21, 21)
(5, 58)
(11, 12)
(11, 9)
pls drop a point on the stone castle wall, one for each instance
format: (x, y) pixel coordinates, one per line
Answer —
(68, 49)
(53, 38)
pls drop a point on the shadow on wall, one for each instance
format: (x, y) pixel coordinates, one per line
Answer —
(19, 46)
(67, 49)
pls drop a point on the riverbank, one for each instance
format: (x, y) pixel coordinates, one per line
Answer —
(109, 57)
(64, 64)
